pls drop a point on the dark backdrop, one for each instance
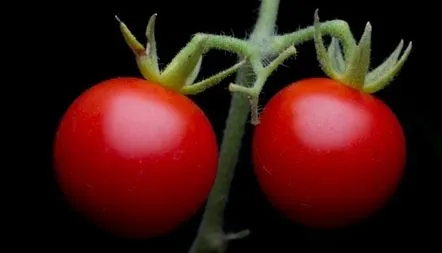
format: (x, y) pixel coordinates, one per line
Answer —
(86, 47)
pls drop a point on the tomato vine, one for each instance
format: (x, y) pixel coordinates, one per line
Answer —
(259, 56)
(264, 45)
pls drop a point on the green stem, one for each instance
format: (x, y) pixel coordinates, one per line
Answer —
(223, 42)
(233, 133)
(336, 28)
(211, 237)
(265, 25)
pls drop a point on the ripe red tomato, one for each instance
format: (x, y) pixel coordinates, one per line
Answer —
(135, 158)
(327, 155)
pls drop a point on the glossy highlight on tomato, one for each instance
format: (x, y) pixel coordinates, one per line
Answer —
(327, 155)
(135, 158)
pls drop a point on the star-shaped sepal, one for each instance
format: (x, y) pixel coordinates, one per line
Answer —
(182, 71)
(353, 68)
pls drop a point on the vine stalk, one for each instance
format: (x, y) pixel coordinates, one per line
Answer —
(211, 236)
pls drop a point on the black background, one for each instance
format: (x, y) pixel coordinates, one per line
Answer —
(83, 46)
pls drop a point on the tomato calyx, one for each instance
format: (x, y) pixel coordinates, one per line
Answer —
(353, 67)
(146, 57)
(180, 74)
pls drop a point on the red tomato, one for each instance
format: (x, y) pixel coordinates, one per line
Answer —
(327, 155)
(135, 158)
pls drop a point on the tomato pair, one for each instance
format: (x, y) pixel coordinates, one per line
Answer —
(138, 159)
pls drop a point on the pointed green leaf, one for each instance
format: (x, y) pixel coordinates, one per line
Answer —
(336, 56)
(194, 74)
(386, 65)
(210, 81)
(389, 75)
(321, 51)
(144, 62)
(151, 43)
(136, 47)
(359, 62)
(183, 66)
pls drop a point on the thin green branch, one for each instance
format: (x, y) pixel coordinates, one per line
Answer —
(211, 236)
(335, 28)
(199, 87)
(322, 54)
(265, 24)
(226, 43)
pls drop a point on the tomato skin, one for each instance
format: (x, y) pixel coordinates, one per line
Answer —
(135, 158)
(327, 155)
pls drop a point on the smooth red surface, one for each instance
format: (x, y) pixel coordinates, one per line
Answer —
(327, 155)
(135, 158)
